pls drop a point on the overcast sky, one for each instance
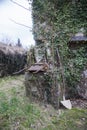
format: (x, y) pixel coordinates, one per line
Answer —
(9, 29)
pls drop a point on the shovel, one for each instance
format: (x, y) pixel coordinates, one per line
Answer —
(66, 103)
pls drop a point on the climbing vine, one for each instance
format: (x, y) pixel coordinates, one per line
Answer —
(56, 22)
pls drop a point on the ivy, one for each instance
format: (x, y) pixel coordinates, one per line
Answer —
(62, 20)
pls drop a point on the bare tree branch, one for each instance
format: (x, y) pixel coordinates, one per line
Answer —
(20, 24)
(19, 72)
(20, 5)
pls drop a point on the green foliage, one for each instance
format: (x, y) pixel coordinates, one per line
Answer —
(74, 119)
(16, 111)
(76, 64)
(63, 19)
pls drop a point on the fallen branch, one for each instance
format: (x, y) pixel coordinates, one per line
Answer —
(20, 71)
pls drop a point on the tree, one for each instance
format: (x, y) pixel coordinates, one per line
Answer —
(19, 43)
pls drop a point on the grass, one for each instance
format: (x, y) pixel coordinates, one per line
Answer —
(17, 112)
(75, 119)
(15, 109)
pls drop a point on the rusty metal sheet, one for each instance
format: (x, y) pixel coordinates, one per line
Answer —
(38, 67)
(35, 68)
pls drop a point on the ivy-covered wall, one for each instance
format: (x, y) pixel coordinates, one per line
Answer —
(64, 17)
(55, 22)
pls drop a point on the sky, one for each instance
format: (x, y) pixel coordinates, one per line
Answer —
(11, 31)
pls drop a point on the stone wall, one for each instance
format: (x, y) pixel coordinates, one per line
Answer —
(40, 87)
(82, 86)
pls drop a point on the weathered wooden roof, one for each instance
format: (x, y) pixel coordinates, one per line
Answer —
(79, 38)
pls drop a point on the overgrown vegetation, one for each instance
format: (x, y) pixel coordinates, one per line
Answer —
(55, 22)
(17, 112)
(70, 120)
(9, 59)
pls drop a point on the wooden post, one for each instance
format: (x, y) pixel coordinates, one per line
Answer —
(62, 73)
